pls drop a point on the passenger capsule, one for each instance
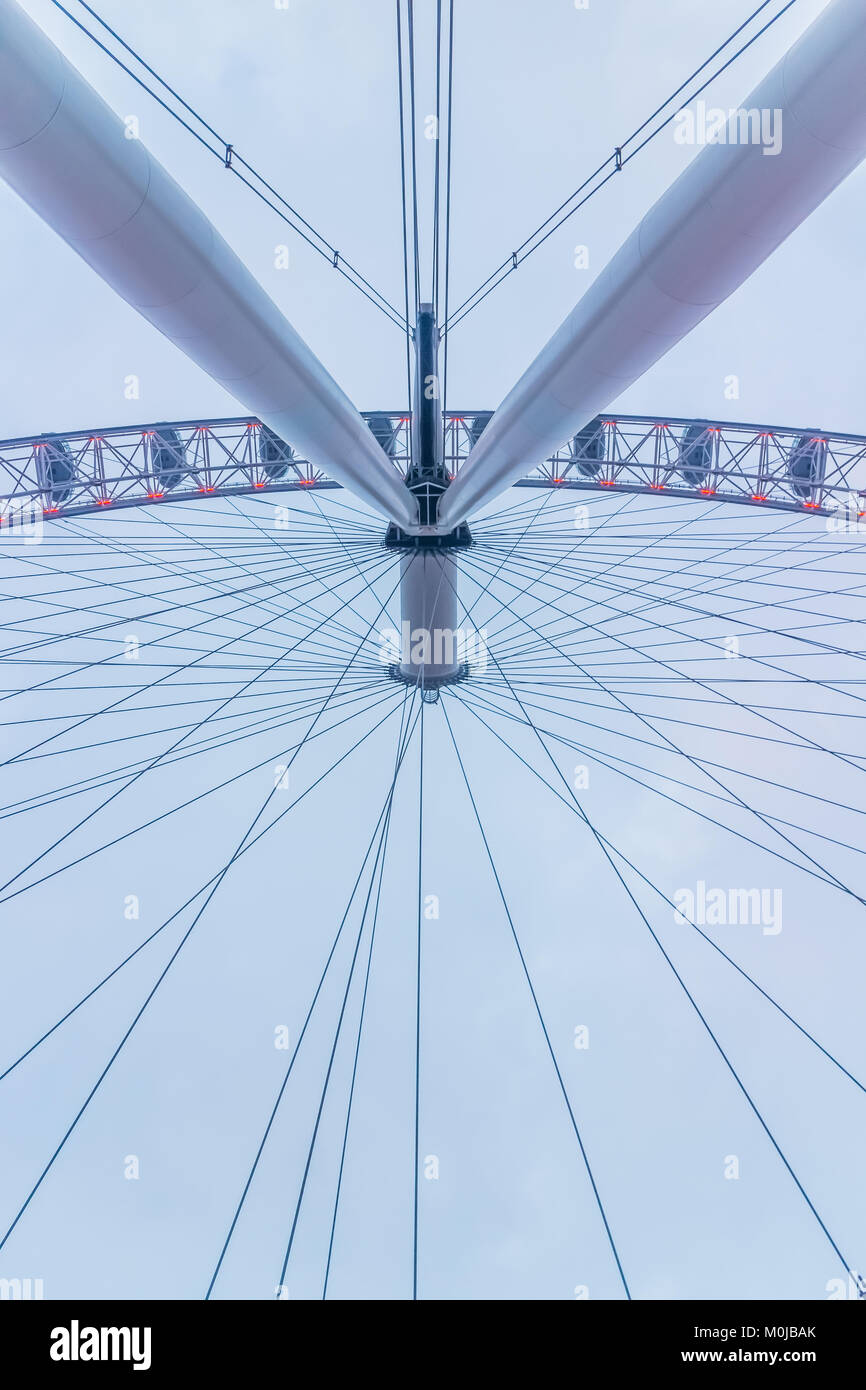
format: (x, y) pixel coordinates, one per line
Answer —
(275, 456)
(588, 448)
(384, 429)
(695, 455)
(807, 462)
(167, 459)
(477, 425)
(56, 471)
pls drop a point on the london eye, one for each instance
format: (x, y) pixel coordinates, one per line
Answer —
(433, 833)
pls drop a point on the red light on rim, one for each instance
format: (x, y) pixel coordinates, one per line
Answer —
(813, 505)
(758, 497)
(607, 482)
(307, 482)
(103, 501)
(657, 487)
(207, 489)
(50, 511)
(154, 495)
(708, 492)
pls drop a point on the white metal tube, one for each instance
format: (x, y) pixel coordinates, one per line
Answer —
(430, 636)
(723, 217)
(65, 152)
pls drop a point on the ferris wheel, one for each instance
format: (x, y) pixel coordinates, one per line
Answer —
(463, 808)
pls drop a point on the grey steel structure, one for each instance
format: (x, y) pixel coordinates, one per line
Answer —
(788, 467)
(729, 210)
(62, 149)
(65, 152)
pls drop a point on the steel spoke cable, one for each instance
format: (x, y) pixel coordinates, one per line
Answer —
(280, 1093)
(685, 677)
(203, 888)
(538, 1012)
(356, 1057)
(601, 754)
(416, 249)
(436, 163)
(671, 601)
(752, 810)
(263, 717)
(199, 914)
(142, 689)
(442, 318)
(136, 776)
(339, 545)
(290, 712)
(405, 211)
(721, 825)
(124, 621)
(137, 690)
(653, 576)
(733, 614)
(152, 821)
(734, 1073)
(381, 847)
(660, 893)
(418, 1001)
(293, 558)
(656, 747)
(549, 691)
(577, 548)
(615, 163)
(226, 153)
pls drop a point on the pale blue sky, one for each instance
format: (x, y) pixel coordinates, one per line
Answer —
(542, 93)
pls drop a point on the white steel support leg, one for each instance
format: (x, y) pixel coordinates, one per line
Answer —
(66, 154)
(730, 209)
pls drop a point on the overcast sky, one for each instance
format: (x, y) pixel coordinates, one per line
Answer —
(543, 92)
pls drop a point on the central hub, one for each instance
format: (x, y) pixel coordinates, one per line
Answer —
(433, 646)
